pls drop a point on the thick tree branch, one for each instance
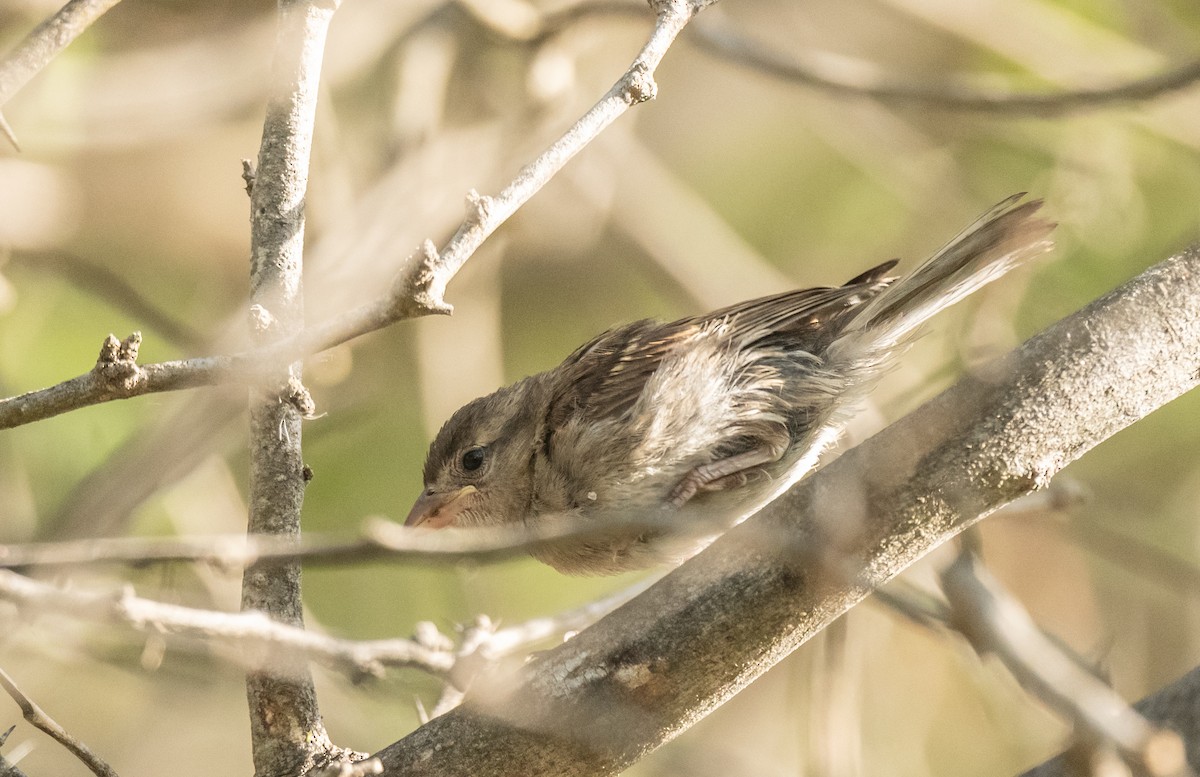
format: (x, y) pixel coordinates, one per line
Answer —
(652, 668)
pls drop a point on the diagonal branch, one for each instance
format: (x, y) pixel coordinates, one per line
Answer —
(995, 623)
(651, 669)
(38, 718)
(1176, 706)
(41, 45)
(45, 41)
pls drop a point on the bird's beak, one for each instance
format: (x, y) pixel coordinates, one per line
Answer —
(434, 510)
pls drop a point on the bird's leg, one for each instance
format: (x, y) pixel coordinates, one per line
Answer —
(724, 473)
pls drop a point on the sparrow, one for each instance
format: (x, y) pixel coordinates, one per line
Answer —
(691, 426)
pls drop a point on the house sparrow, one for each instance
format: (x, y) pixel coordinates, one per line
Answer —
(694, 424)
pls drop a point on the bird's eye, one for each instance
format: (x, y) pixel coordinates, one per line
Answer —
(473, 458)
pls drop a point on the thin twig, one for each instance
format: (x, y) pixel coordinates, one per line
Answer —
(45, 41)
(38, 718)
(850, 76)
(514, 640)
(483, 645)
(994, 622)
(99, 385)
(913, 604)
(255, 641)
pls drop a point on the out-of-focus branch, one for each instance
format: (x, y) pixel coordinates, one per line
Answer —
(652, 668)
(381, 540)
(1176, 706)
(483, 646)
(521, 21)
(995, 623)
(45, 41)
(112, 288)
(38, 718)
(851, 76)
(42, 44)
(1138, 556)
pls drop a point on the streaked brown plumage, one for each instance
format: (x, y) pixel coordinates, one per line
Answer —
(694, 424)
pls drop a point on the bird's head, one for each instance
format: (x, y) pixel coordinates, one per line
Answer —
(479, 470)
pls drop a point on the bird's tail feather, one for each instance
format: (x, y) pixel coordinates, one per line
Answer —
(1007, 235)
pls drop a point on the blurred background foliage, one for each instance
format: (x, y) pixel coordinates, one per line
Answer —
(125, 211)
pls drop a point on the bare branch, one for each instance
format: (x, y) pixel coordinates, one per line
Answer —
(483, 646)
(850, 76)
(38, 718)
(254, 641)
(993, 622)
(424, 287)
(382, 539)
(650, 669)
(286, 731)
(45, 41)
(92, 388)
(1176, 706)
(514, 640)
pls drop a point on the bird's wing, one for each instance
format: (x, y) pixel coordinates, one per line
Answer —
(607, 375)
(800, 312)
